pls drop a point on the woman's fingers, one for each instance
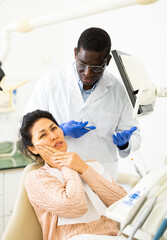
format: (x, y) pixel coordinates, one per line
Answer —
(62, 163)
(47, 152)
(44, 153)
(53, 150)
(44, 150)
(61, 154)
(61, 157)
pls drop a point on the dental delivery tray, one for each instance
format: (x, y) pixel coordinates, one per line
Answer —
(129, 208)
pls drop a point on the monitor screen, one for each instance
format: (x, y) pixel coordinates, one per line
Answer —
(133, 75)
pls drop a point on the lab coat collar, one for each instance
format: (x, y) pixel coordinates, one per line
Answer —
(101, 89)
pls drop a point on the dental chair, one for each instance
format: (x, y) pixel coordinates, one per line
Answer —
(23, 223)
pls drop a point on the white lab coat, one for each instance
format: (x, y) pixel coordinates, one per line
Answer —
(108, 108)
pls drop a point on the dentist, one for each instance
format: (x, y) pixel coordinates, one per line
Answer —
(89, 103)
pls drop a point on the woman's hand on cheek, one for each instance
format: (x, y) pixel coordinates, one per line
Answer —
(71, 160)
(47, 153)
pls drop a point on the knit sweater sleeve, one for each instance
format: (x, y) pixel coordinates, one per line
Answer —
(108, 191)
(46, 191)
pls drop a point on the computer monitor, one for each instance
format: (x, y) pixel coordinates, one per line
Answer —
(134, 76)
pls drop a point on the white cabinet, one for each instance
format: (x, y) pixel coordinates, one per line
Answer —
(9, 184)
(1, 205)
(1, 194)
(1, 226)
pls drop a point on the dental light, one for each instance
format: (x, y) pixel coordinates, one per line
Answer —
(27, 25)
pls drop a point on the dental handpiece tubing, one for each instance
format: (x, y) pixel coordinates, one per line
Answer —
(161, 229)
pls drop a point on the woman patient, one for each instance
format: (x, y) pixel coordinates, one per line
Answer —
(69, 195)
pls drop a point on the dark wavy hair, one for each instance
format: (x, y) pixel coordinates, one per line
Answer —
(27, 123)
(95, 40)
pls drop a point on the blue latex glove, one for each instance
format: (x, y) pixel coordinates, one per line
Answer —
(75, 129)
(122, 138)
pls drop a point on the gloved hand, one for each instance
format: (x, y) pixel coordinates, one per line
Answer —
(75, 129)
(122, 138)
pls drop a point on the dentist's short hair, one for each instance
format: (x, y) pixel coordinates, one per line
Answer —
(95, 40)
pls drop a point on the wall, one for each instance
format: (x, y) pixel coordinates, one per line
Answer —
(138, 30)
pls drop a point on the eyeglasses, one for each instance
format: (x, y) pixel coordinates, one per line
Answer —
(96, 69)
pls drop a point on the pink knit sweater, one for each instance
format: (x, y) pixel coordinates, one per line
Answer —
(50, 199)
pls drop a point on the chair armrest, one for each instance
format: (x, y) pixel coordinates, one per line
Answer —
(127, 179)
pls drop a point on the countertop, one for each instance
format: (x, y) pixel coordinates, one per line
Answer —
(13, 162)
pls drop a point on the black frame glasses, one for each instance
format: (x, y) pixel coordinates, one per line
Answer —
(97, 69)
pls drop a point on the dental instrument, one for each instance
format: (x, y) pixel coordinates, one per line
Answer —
(133, 212)
(147, 210)
(161, 229)
(142, 162)
(125, 209)
(143, 217)
(137, 169)
(84, 127)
